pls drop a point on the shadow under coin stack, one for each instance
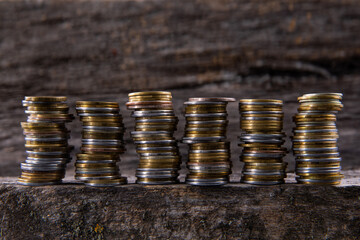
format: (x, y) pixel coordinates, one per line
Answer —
(315, 139)
(262, 123)
(102, 142)
(46, 138)
(155, 124)
(209, 161)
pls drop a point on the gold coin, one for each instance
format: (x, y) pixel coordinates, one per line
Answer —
(210, 146)
(152, 93)
(321, 96)
(46, 98)
(97, 157)
(99, 104)
(275, 101)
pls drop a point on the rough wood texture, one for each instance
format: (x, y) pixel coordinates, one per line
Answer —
(243, 49)
(117, 46)
(235, 211)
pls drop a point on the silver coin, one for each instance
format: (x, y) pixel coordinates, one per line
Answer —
(209, 183)
(274, 141)
(212, 99)
(204, 103)
(159, 154)
(156, 120)
(104, 128)
(224, 122)
(261, 103)
(209, 167)
(44, 139)
(210, 151)
(93, 140)
(42, 165)
(47, 159)
(46, 153)
(91, 184)
(191, 140)
(262, 136)
(37, 162)
(152, 114)
(261, 112)
(318, 170)
(336, 159)
(206, 115)
(156, 142)
(158, 169)
(42, 169)
(157, 176)
(157, 148)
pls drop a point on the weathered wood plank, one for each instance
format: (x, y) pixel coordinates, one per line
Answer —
(235, 211)
(77, 46)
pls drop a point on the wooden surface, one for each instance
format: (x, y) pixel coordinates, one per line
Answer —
(234, 211)
(101, 50)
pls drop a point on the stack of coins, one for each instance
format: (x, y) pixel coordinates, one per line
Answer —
(46, 139)
(315, 139)
(205, 132)
(155, 123)
(262, 139)
(102, 142)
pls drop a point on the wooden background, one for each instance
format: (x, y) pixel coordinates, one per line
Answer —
(101, 50)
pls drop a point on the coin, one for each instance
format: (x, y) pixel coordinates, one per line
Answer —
(262, 121)
(212, 99)
(155, 124)
(102, 142)
(46, 140)
(315, 139)
(205, 132)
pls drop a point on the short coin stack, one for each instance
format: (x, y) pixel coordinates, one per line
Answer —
(209, 153)
(155, 123)
(46, 138)
(102, 142)
(315, 139)
(262, 123)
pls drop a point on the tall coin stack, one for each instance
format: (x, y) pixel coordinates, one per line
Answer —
(155, 124)
(209, 161)
(315, 139)
(102, 143)
(46, 138)
(262, 123)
